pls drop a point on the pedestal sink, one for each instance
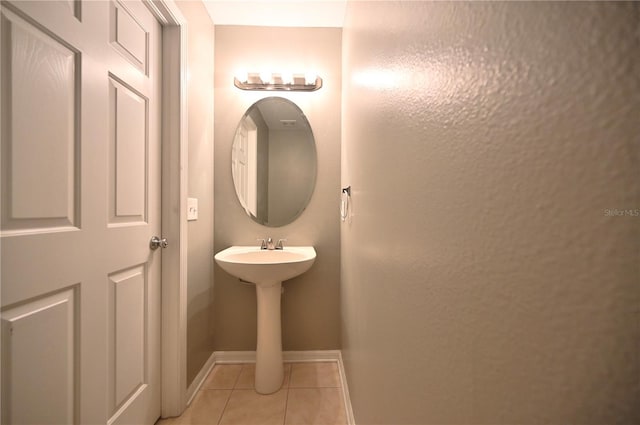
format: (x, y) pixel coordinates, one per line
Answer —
(267, 269)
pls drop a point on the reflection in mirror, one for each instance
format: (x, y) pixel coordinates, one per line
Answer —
(273, 161)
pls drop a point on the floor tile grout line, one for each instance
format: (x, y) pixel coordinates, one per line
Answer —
(225, 407)
(286, 405)
(235, 383)
(231, 390)
(286, 400)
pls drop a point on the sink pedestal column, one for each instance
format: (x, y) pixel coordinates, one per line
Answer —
(269, 367)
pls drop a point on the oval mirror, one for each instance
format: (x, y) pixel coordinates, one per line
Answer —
(273, 161)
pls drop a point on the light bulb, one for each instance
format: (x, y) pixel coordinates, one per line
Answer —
(310, 78)
(265, 77)
(287, 78)
(242, 76)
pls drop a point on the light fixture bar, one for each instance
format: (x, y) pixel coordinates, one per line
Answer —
(274, 81)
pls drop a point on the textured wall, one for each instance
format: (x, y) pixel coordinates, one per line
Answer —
(200, 232)
(483, 279)
(310, 304)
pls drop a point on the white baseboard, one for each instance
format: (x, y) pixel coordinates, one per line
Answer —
(351, 420)
(235, 357)
(200, 377)
(312, 356)
(230, 357)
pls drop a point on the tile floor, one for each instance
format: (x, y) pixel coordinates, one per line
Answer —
(310, 395)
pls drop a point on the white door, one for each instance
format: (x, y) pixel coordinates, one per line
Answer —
(80, 185)
(239, 157)
(244, 163)
(252, 167)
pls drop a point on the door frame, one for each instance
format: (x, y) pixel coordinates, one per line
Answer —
(174, 206)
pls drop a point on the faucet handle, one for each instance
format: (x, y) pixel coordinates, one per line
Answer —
(280, 244)
(270, 243)
(263, 243)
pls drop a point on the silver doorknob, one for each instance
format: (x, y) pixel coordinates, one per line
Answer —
(156, 243)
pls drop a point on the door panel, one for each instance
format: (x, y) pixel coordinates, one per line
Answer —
(40, 74)
(80, 202)
(129, 36)
(128, 354)
(46, 325)
(127, 167)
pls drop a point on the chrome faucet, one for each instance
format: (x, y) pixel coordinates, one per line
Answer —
(266, 243)
(270, 245)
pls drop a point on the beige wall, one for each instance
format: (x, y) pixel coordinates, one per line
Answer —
(310, 304)
(482, 280)
(200, 233)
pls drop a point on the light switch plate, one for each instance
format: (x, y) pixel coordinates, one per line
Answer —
(192, 209)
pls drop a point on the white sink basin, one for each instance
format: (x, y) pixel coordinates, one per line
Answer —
(267, 269)
(263, 266)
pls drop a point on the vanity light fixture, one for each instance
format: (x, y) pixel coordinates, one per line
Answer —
(277, 81)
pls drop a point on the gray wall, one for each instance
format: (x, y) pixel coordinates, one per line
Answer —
(290, 153)
(310, 304)
(483, 280)
(200, 233)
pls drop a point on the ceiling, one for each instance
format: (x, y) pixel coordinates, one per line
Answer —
(291, 13)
